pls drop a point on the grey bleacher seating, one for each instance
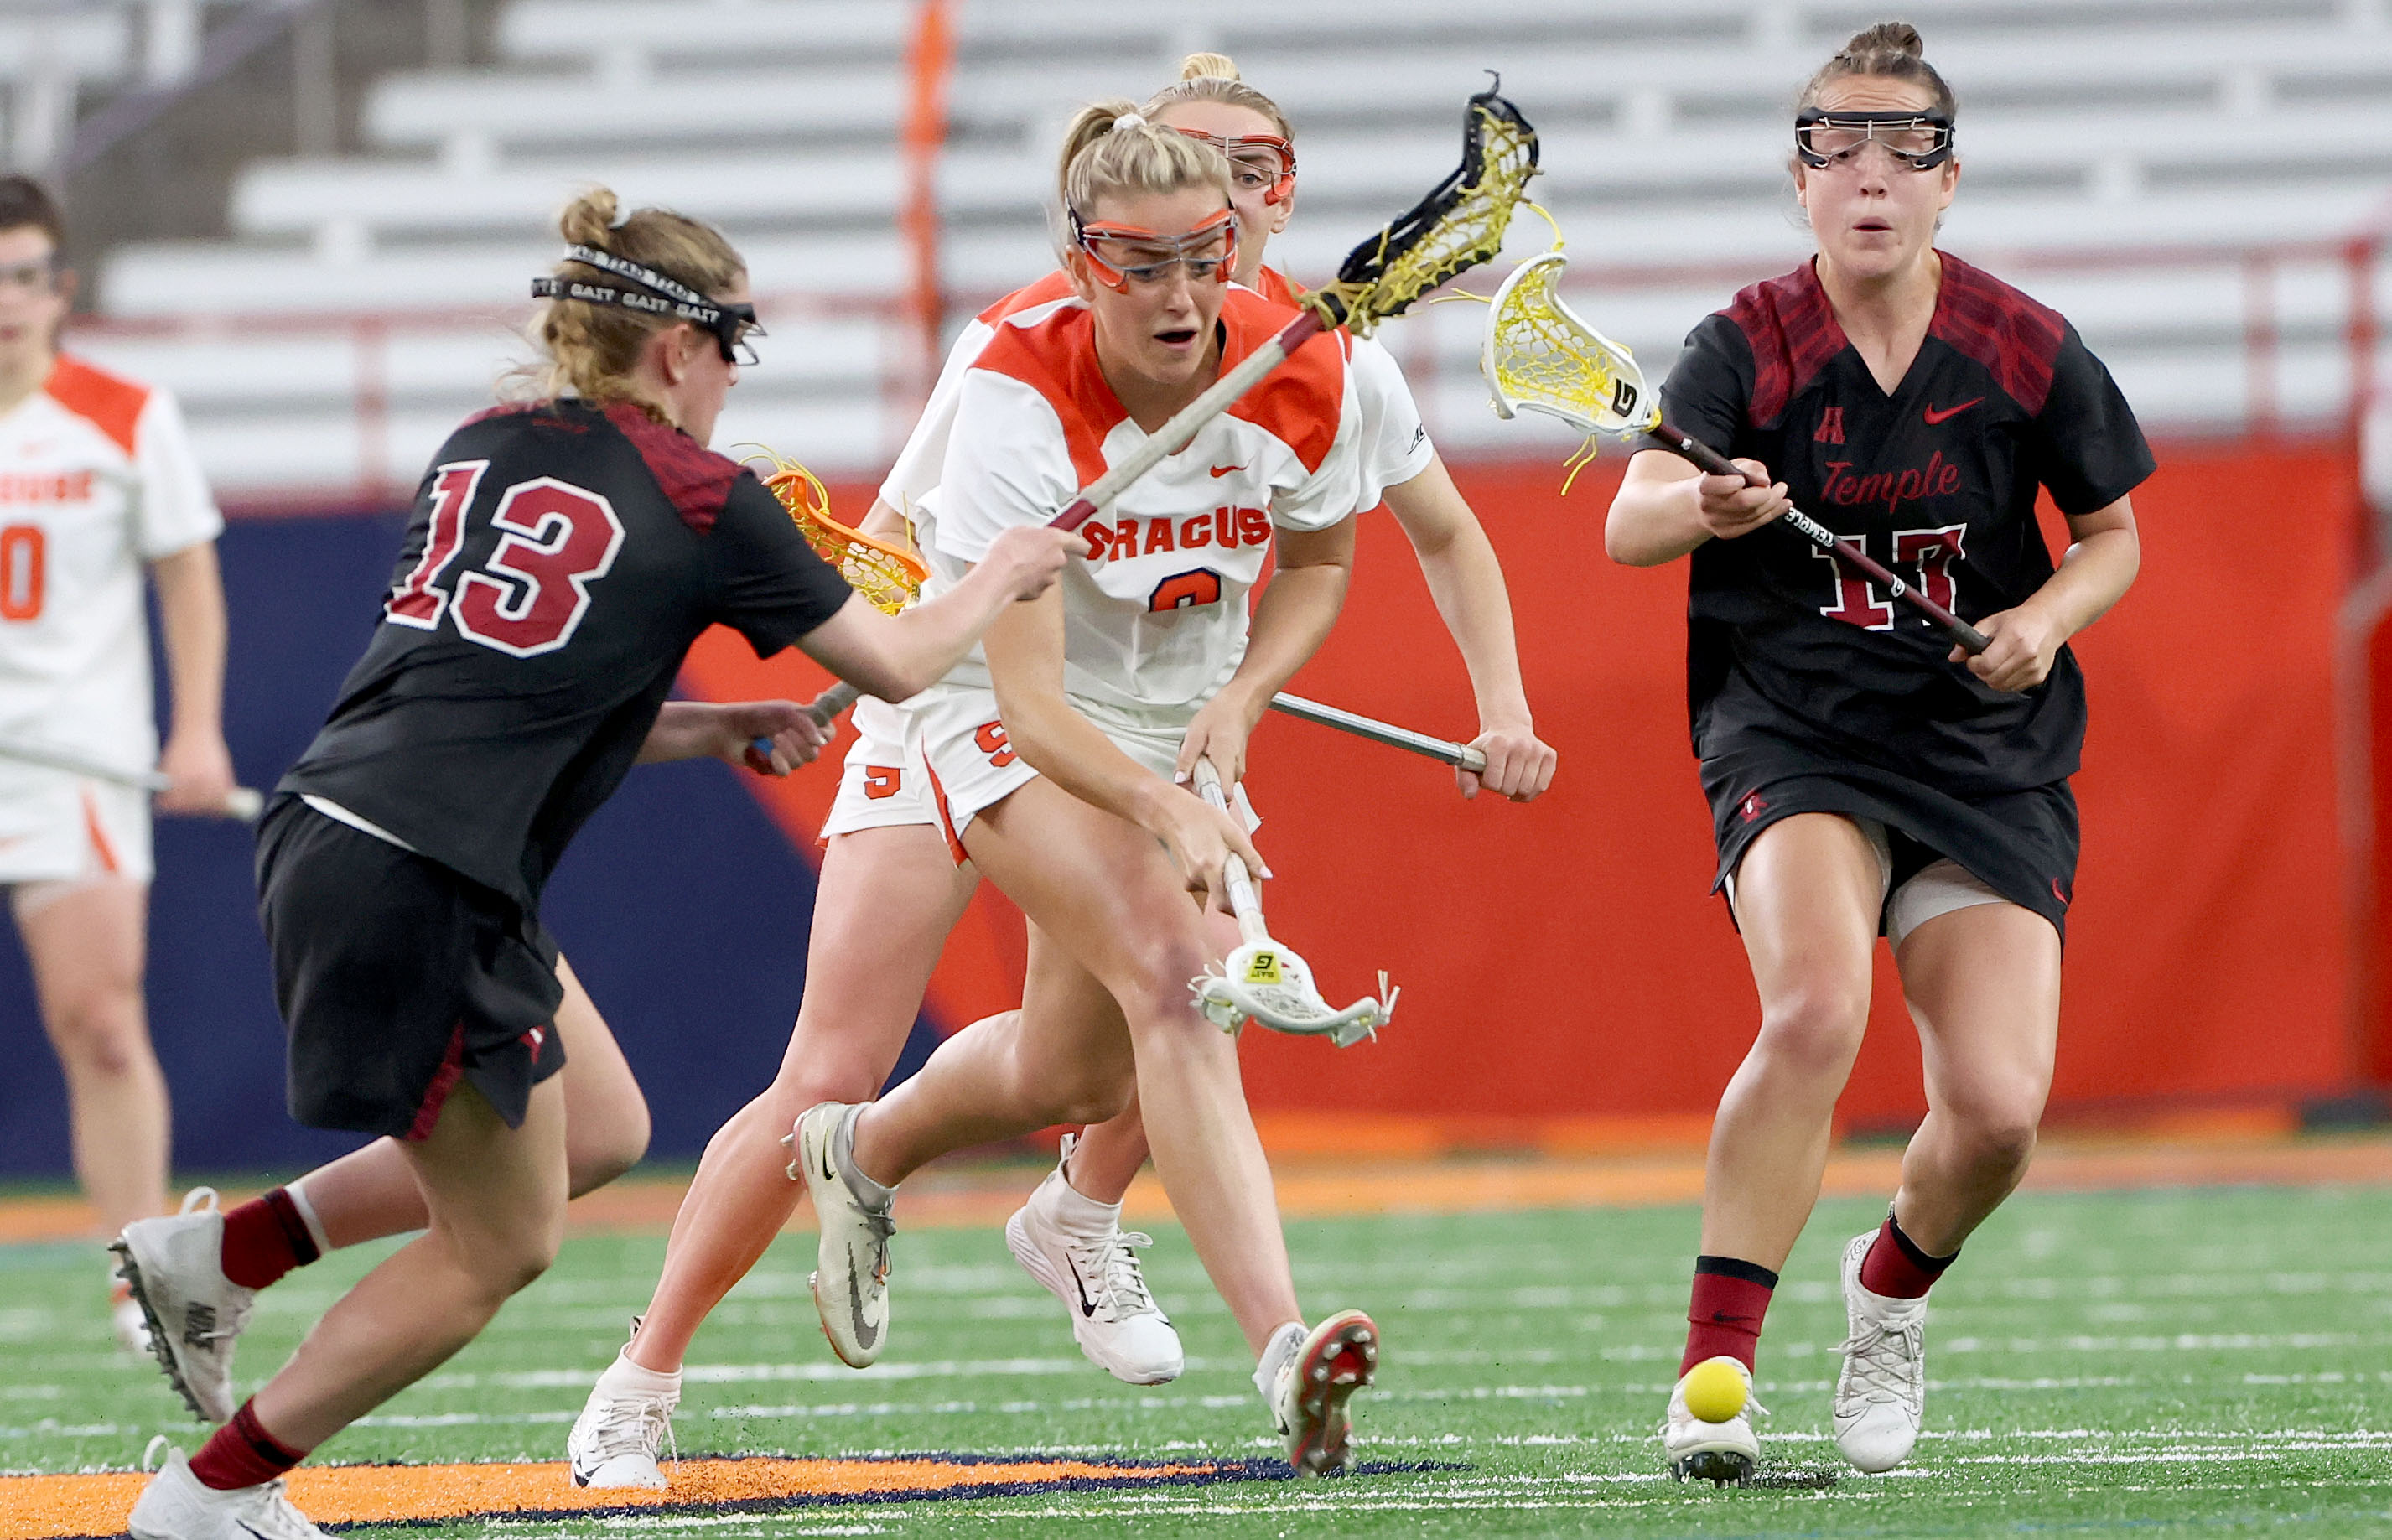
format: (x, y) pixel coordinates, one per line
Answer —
(2093, 128)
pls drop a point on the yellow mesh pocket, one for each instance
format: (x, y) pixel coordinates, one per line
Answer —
(887, 574)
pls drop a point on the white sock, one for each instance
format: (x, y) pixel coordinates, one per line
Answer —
(623, 1376)
(1280, 1351)
(1075, 1210)
(298, 1195)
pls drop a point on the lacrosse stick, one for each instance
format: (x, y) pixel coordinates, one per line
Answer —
(1453, 229)
(1540, 357)
(888, 576)
(1263, 981)
(889, 579)
(242, 803)
(1377, 732)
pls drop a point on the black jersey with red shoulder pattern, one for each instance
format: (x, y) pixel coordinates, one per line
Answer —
(1938, 481)
(561, 560)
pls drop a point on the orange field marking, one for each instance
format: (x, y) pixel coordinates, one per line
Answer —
(1314, 1184)
(74, 1507)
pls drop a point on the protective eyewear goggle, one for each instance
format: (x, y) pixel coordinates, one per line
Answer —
(1263, 160)
(733, 327)
(1208, 251)
(1919, 140)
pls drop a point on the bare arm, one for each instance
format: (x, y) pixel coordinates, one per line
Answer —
(1025, 663)
(1665, 508)
(901, 655)
(2092, 577)
(191, 605)
(1291, 621)
(1466, 581)
(699, 730)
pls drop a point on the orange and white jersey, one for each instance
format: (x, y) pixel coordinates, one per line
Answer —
(1395, 445)
(96, 479)
(1155, 600)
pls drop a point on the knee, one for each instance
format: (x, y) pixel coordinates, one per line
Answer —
(1997, 1128)
(101, 1033)
(607, 1148)
(502, 1263)
(1098, 1098)
(1815, 1028)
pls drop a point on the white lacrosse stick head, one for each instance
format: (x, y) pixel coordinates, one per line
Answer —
(1263, 981)
(1540, 357)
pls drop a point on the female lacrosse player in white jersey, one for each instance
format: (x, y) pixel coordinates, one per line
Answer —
(96, 482)
(890, 890)
(1054, 763)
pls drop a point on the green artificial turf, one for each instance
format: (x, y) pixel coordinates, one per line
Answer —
(2154, 1364)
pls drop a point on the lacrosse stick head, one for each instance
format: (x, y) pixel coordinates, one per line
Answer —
(1450, 232)
(889, 576)
(1540, 357)
(1263, 981)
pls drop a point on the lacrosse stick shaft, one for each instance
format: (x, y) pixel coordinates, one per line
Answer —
(243, 803)
(1249, 908)
(1461, 755)
(1853, 558)
(1173, 436)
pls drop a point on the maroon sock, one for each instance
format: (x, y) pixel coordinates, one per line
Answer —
(263, 1238)
(242, 1452)
(1729, 1299)
(1896, 1268)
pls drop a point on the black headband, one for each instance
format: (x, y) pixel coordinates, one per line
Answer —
(732, 325)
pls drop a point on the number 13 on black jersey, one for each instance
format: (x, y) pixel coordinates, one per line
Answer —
(529, 594)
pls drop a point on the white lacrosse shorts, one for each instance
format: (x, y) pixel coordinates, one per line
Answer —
(971, 766)
(882, 786)
(59, 827)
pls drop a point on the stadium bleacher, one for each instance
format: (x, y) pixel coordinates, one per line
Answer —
(2170, 173)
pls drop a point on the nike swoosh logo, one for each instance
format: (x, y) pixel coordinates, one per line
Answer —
(1087, 1306)
(250, 1530)
(867, 1332)
(1225, 470)
(1933, 417)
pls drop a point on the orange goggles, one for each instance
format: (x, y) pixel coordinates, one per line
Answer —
(1208, 251)
(1263, 160)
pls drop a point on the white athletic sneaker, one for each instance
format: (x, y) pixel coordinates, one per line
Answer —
(1720, 1452)
(626, 1421)
(850, 1281)
(1881, 1394)
(195, 1314)
(1308, 1395)
(175, 1505)
(1077, 1250)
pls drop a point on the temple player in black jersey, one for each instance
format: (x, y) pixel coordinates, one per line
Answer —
(1864, 776)
(565, 552)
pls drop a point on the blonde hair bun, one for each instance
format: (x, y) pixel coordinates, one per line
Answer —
(1888, 37)
(1208, 67)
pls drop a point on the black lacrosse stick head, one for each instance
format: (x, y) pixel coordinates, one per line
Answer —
(1454, 228)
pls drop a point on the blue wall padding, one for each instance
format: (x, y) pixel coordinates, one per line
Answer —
(684, 908)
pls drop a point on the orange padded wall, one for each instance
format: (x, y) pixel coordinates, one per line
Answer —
(1563, 961)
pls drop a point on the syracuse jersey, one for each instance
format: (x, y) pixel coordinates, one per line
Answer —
(97, 478)
(1395, 444)
(1155, 602)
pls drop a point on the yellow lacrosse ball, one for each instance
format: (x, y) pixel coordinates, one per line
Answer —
(1715, 1388)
